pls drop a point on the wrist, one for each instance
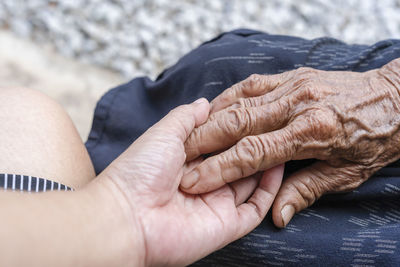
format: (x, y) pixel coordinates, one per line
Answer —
(119, 238)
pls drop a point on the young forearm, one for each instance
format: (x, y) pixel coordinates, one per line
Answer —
(82, 228)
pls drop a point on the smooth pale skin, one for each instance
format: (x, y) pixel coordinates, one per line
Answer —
(348, 121)
(38, 138)
(133, 213)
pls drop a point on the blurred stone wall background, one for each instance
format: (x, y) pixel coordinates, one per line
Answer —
(74, 50)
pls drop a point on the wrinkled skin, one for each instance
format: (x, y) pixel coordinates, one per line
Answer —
(348, 121)
(172, 227)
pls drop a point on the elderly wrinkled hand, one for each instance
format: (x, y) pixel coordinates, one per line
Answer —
(348, 121)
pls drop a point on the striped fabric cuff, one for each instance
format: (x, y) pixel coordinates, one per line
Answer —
(15, 182)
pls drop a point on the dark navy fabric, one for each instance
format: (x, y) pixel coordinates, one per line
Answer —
(361, 228)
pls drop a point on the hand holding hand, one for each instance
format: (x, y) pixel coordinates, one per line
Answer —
(173, 227)
(348, 121)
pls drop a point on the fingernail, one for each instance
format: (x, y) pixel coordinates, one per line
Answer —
(287, 213)
(200, 100)
(190, 179)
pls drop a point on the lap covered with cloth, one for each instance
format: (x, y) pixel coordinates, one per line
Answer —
(359, 228)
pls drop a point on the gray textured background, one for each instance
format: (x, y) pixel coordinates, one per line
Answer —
(142, 37)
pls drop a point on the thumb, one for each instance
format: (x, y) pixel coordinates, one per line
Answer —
(158, 155)
(162, 146)
(304, 187)
(181, 121)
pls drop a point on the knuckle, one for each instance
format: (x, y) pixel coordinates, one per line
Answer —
(252, 84)
(243, 102)
(237, 122)
(308, 190)
(240, 103)
(303, 76)
(317, 125)
(195, 139)
(309, 92)
(283, 106)
(323, 124)
(318, 133)
(248, 102)
(305, 71)
(250, 151)
(254, 79)
(292, 143)
(237, 87)
(226, 159)
(227, 94)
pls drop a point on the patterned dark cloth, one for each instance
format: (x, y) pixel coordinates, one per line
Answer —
(14, 182)
(361, 228)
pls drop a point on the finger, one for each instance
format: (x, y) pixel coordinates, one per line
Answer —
(283, 90)
(248, 102)
(188, 166)
(304, 187)
(161, 148)
(240, 189)
(168, 135)
(181, 121)
(244, 188)
(254, 210)
(249, 155)
(254, 85)
(225, 128)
